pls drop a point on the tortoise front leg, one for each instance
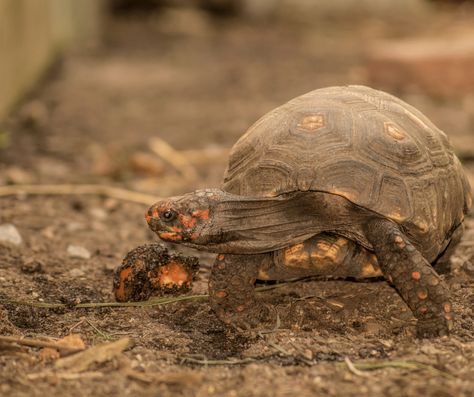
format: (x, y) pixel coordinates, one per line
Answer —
(232, 291)
(412, 276)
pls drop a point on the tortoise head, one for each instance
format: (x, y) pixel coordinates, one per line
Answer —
(184, 219)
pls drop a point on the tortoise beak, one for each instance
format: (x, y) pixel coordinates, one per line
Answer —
(152, 217)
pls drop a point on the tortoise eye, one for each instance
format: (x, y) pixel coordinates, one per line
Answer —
(168, 215)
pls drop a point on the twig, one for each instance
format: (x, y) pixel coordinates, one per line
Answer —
(103, 334)
(412, 365)
(97, 190)
(353, 369)
(205, 361)
(148, 303)
(39, 343)
(206, 156)
(175, 158)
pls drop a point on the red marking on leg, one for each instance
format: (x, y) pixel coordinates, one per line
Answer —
(221, 294)
(201, 214)
(423, 309)
(447, 307)
(422, 293)
(221, 257)
(415, 275)
(398, 239)
(240, 308)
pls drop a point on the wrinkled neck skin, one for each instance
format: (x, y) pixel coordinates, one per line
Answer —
(251, 225)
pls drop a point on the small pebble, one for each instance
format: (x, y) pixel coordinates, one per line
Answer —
(98, 213)
(75, 273)
(9, 234)
(76, 251)
(75, 226)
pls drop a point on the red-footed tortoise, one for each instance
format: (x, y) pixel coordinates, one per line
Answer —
(341, 181)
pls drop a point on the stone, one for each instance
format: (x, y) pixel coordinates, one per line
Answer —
(76, 251)
(9, 234)
(75, 273)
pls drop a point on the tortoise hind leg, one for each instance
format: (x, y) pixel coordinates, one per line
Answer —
(232, 291)
(412, 276)
(443, 263)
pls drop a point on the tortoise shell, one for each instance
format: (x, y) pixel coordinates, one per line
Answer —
(365, 145)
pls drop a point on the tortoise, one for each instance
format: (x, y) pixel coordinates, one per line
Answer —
(342, 181)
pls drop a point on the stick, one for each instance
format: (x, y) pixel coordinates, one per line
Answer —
(218, 362)
(353, 369)
(176, 159)
(412, 365)
(206, 156)
(97, 190)
(39, 343)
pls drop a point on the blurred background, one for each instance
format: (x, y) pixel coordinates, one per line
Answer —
(151, 94)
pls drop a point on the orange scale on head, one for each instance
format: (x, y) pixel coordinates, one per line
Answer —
(187, 221)
(201, 214)
(171, 236)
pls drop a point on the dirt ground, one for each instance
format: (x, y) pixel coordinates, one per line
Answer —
(198, 83)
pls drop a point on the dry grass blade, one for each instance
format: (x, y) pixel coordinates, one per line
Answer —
(353, 369)
(206, 362)
(40, 343)
(148, 303)
(206, 156)
(411, 365)
(175, 158)
(96, 354)
(97, 190)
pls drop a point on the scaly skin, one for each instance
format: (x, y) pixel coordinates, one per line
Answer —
(413, 277)
(232, 291)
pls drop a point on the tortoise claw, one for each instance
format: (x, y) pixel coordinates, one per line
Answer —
(432, 328)
(252, 317)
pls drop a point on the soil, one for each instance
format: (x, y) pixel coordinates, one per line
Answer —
(198, 82)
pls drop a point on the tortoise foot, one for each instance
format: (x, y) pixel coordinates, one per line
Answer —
(432, 328)
(250, 317)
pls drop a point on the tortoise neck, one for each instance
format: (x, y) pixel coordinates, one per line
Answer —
(262, 224)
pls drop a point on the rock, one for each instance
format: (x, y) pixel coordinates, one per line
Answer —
(468, 268)
(98, 213)
(76, 251)
(442, 67)
(9, 234)
(75, 273)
